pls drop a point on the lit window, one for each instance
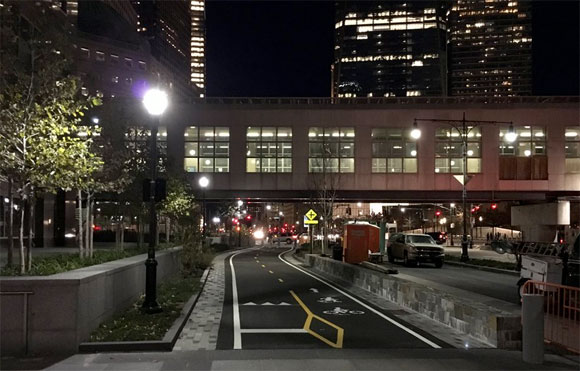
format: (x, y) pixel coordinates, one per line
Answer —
(114, 59)
(394, 151)
(207, 149)
(525, 157)
(85, 53)
(331, 150)
(100, 56)
(572, 149)
(142, 65)
(449, 150)
(128, 62)
(268, 149)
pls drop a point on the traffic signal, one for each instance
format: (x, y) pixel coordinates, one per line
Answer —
(493, 206)
(438, 213)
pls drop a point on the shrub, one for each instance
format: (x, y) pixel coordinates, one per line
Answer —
(220, 247)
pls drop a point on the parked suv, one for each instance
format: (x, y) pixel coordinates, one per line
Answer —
(414, 248)
(439, 237)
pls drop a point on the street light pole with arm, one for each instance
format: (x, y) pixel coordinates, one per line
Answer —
(462, 128)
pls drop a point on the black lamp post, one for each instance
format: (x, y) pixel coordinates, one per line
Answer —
(155, 102)
(464, 130)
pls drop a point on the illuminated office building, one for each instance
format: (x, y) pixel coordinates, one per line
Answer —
(168, 25)
(490, 48)
(390, 49)
(197, 47)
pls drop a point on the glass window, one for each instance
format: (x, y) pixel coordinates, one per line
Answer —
(268, 149)
(572, 149)
(397, 149)
(530, 141)
(449, 150)
(331, 150)
(207, 149)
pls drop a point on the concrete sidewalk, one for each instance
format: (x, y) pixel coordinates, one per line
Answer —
(321, 359)
(480, 252)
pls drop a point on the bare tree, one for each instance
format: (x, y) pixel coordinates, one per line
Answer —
(323, 187)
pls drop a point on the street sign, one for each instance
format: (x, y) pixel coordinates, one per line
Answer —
(310, 217)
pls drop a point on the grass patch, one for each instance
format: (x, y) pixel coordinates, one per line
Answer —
(59, 263)
(134, 325)
(484, 262)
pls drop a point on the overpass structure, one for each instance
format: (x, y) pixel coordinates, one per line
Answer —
(281, 148)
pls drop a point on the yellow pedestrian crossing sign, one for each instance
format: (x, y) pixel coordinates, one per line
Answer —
(310, 217)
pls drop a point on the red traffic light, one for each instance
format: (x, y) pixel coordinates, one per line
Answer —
(438, 212)
(473, 210)
(477, 208)
(493, 206)
(248, 217)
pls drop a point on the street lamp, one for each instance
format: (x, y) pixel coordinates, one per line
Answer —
(464, 130)
(155, 102)
(203, 183)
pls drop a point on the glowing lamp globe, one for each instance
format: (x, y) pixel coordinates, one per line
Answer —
(155, 101)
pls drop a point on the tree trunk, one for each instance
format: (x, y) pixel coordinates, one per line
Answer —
(30, 233)
(10, 225)
(122, 223)
(167, 230)
(92, 221)
(21, 237)
(80, 231)
(88, 253)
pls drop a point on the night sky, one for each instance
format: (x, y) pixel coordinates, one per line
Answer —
(285, 48)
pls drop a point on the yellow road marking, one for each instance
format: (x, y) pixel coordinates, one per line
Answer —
(263, 266)
(271, 272)
(310, 316)
(280, 279)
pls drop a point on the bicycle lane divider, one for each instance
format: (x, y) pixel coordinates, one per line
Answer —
(361, 303)
(311, 316)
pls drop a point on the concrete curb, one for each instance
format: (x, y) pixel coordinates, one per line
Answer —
(483, 268)
(165, 345)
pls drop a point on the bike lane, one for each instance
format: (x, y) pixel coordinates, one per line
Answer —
(283, 306)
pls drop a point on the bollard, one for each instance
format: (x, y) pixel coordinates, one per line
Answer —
(533, 328)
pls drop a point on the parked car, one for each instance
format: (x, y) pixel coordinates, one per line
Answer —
(414, 248)
(439, 237)
(283, 237)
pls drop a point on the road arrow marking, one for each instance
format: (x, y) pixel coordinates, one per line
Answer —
(328, 299)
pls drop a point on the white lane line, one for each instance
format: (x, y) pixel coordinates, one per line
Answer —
(235, 306)
(408, 330)
(274, 331)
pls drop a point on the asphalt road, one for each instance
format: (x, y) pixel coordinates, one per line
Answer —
(271, 304)
(496, 285)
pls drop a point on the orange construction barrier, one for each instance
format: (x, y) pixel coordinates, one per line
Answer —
(561, 313)
(359, 238)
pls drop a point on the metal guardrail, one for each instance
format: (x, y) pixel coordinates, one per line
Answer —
(561, 313)
(384, 100)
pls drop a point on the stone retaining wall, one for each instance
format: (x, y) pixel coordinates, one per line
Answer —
(63, 309)
(499, 327)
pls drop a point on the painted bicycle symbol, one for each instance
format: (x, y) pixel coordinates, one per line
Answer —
(338, 311)
(328, 299)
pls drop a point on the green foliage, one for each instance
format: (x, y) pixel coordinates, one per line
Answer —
(134, 325)
(43, 266)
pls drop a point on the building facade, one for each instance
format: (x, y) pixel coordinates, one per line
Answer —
(490, 44)
(280, 148)
(390, 49)
(176, 31)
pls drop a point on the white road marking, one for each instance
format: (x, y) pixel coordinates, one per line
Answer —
(312, 289)
(408, 330)
(235, 306)
(274, 331)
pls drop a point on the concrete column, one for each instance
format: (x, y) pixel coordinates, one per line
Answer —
(533, 328)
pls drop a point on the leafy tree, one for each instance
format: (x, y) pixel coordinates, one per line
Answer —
(42, 146)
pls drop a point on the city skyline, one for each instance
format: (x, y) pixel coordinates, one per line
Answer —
(263, 57)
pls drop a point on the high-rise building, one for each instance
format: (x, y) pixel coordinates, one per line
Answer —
(491, 48)
(390, 48)
(197, 47)
(167, 24)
